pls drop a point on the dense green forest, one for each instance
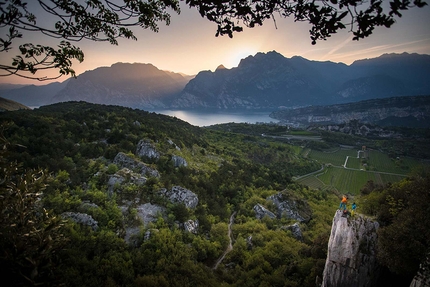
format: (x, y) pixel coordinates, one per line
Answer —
(59, 159)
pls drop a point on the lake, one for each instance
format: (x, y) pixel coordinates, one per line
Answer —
(201, 119)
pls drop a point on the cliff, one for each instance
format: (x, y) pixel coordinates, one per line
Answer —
(351, 255)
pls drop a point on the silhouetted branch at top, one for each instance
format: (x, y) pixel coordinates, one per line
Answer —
(108, 20)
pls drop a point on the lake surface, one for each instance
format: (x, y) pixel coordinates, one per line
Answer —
(207, 118)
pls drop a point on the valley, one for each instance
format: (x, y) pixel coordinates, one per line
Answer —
(147, 199)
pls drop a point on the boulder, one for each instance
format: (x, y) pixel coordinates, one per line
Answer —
(81, 218)
(122, 160)
(422, 278)
(179, 161)
(295, 230)
(124, 176)
(179, 194)
(351, 255)
(149, 212)
(146, 149)
(261, 211)
(290, 206)
(172, 143)
(191, 226)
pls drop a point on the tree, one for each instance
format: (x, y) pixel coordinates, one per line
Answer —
(108, 20)
(30, 236)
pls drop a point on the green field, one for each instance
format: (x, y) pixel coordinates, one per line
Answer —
(346, 180)
(378, 167)
(335, 158)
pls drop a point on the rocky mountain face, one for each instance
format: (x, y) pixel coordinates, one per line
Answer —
(132, 85)
(399, 111)
(268, 81)
(351, 256)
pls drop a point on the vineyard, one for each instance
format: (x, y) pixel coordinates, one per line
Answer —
(378, 167)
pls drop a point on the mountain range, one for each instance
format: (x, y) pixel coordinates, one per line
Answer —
(412, 111)
(263, 81)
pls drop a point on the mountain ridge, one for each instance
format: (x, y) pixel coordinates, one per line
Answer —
(263, 81)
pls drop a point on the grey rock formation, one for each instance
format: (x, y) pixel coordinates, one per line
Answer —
(181, 195)
(261, 211)
(179, 161)
(149, 212)
(124, 176)
(146, 149)
(123, 160)
(295, 230)
(131, 234)
(191, 226)
(290, 206)
(422, 279)
(81, 218)
(172, 143)
(351, 255)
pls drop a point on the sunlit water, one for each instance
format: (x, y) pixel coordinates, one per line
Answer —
(211, 118)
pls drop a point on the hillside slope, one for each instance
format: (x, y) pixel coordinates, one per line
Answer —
(8, 105)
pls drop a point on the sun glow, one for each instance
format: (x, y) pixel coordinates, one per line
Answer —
(238, 54)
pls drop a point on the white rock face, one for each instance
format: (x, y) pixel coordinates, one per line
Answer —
(422, 279)
(290, 208)
(149, 212)
(179, 161)
(147, 149)
(179, 194)
(351, 256)
(123, 176)
(123, 160)
(81, 218)
(261, 211)
(191, 226)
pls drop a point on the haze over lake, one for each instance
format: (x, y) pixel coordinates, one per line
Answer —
(207, 118)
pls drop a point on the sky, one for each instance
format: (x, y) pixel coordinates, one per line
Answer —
(188, 45)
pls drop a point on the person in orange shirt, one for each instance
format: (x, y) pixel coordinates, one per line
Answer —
(343, 202)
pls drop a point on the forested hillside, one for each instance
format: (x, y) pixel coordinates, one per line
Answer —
(75, 181)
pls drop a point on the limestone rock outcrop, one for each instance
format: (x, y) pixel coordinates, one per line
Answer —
(146, 149)
(290, 206)
(178, 194)
(422, 279)
(351, 256)
(123, 160)
(81, 218)
(179, 161)
(149, 212)
(123, 177)
(295, 230)
(191, 226)
(261, 211)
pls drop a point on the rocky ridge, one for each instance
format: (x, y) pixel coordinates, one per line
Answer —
(378, 111)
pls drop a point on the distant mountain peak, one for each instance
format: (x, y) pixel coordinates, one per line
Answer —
(221, 67)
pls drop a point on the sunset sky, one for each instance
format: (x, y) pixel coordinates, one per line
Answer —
(189, 44)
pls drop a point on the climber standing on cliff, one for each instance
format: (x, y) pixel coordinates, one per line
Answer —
(343, 202)
(354, 206)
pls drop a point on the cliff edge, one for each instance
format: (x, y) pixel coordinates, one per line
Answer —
(351, 255)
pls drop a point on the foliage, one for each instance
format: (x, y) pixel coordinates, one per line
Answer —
(106, 20)
(402, 209)
(325, 18)
(229, 172)
(30, 236)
